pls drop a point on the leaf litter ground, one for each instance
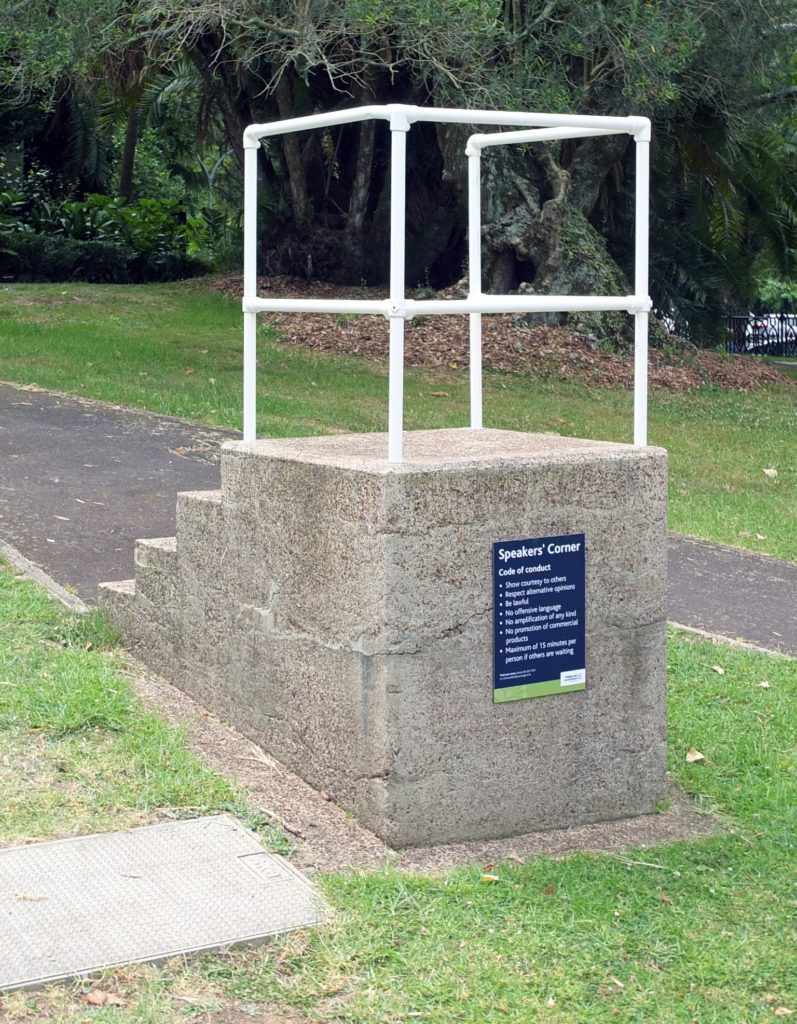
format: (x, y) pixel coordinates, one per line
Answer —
(508, 344)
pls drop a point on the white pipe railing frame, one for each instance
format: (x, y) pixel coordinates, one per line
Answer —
(397, 307)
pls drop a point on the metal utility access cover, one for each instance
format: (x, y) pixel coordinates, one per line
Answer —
(75, 906)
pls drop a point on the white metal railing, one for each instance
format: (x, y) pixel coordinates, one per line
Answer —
(397, 307)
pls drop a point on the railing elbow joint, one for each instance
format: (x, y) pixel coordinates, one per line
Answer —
(641, 129)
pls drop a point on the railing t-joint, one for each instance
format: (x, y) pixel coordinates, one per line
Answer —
(399, 122)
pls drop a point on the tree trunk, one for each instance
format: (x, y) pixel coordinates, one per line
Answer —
(300, 201)
(233, 104)
(590, 162)
(534, 238)
(127, 167)
(360, 189)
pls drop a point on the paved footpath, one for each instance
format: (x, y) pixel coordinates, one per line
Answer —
(80, 481)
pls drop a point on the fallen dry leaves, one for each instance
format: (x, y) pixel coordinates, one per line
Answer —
(98, 997)
(442, 341)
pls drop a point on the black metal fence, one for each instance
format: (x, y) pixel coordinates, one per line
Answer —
(773, 334)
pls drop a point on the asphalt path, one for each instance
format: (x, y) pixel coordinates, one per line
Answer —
(80, 481)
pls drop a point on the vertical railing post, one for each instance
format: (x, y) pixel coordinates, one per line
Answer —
(641, 286)
(250, 288)
(399, 126)
(475, 281)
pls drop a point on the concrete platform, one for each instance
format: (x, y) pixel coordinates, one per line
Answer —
(79, 525)
(72, 907)
(339, 610)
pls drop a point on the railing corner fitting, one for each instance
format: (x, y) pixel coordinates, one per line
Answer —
(641, 129)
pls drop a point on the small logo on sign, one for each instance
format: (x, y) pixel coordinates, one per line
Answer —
(573, 678)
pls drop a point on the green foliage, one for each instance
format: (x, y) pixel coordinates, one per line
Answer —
(147, 225)
(38, 257)
(34, 257)
(735, 189)
(776, 294)
(96, 238)
(715, 79)
(12, 205)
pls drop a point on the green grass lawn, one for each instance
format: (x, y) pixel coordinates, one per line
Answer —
(177, 349)
(702, 930)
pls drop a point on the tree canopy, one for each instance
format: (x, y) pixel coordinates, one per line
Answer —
(717, 79)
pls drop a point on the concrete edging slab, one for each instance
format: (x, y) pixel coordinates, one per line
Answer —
(33, 572)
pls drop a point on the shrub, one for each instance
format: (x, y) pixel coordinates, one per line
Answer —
(44, 236)
(35, 257)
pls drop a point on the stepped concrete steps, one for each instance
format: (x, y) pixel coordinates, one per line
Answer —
(221, 536)
(156, 553)
(157, 568)
(145, 618)
(118, 598)
(200, 528)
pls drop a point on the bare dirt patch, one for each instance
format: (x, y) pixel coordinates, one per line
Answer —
(508, 345)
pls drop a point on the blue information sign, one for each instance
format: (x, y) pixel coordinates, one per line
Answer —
(538, 617)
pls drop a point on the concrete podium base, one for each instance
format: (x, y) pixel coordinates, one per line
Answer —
(338, 610)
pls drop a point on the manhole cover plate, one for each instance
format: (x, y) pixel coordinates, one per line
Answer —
(75, 906)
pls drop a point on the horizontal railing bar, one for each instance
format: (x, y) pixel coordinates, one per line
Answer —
(442, 307)
(442, 115)
(476, 142)
(361, 306)
(529, 304)
(297, 124)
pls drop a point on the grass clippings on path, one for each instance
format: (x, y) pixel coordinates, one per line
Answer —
(699, 930)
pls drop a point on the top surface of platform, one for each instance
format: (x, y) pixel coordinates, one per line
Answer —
(430, 450)
(74, 906)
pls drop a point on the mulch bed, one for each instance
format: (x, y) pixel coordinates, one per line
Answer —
(507, 344)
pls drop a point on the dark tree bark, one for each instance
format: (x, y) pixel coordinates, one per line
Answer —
(590, 163)
(127, 165)
(354, 242)
(233, 102)
(291, 148)
(535, 237)
(522, 198)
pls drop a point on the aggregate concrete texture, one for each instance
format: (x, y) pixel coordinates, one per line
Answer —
(81, 480)
(337, 609)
